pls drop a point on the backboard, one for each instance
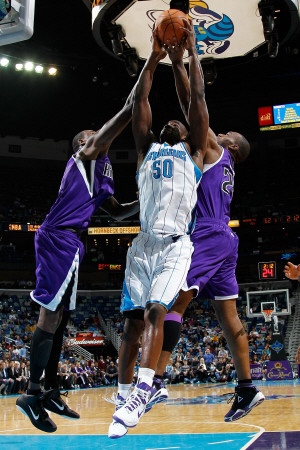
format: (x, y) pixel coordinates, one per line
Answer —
(17, 25)
(275, 300)
(223, 29)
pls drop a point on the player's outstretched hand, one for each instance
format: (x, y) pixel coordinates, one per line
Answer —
(190, 42)
(175, 50)
(157, 49)
(291, 271)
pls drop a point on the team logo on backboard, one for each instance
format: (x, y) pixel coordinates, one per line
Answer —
(277, 347)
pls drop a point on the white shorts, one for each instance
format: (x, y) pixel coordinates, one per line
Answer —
(156, 269)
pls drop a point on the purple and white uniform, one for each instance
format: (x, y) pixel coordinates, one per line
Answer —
(212, 270)
(58, 250)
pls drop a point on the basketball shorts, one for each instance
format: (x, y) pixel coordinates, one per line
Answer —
(212, 270)
(156, 269)
(58, 254)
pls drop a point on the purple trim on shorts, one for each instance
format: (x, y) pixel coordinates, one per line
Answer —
(174, 317)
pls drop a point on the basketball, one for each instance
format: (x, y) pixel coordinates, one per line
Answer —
(169, 26)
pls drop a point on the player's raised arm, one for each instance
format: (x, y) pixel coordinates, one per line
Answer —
(99, 142)
(175, 52)
(198, 113)
(142, 116)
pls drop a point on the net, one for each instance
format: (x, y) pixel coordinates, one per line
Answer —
(267, 314)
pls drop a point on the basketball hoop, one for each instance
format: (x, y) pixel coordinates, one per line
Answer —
(267, 314)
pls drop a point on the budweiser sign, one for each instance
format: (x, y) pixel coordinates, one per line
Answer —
(85, 341)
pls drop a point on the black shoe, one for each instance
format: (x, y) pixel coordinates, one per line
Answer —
(245, 399)
(32, 407)
(54, 403)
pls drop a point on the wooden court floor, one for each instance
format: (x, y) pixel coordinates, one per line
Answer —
(192, 418)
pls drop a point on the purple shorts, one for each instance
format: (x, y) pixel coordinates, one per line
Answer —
(212, 270)
(58, 254)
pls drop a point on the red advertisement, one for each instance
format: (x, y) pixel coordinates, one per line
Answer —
(84, 334)
(85, 341)
(265, 115)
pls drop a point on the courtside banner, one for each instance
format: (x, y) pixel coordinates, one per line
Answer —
(85, 341)
(279, 370)
(256, 371)
(113, 230)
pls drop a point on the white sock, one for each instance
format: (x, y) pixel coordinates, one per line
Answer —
(145, 376)
(123, 390)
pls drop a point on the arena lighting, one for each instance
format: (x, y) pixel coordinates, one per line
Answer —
(209, 70)
(4, 62)
(268, 13)
(52, 71)
(29, 66)
(116, 35)
(39, 69)
(19, 66)
(131, 62)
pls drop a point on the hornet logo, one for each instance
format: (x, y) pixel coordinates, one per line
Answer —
(212, 29)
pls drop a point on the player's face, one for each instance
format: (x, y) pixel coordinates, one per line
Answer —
(87, 134)
(227, 139)
(173, 132)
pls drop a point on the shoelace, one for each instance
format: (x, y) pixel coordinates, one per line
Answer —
(232, 397)
(65, 394)
(135, 399)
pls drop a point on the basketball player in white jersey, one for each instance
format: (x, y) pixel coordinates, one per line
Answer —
(212, 270)
(168, 175)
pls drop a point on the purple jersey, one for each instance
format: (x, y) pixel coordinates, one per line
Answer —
(216, 189)
(212, 270)
(84, 187)
(59, 251)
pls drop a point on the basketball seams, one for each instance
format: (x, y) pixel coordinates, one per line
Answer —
(169, 24)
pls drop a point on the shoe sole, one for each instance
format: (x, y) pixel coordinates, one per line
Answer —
(232, 419)
(46, 430)
(117, 436)
(117, 419)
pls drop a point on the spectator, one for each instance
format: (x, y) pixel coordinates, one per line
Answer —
(223, 353)
(5, 380)
(208, 357)
(201, 372)
(111, 374)
(298, 360)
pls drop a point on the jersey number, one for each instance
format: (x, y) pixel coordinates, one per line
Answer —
(228, 183)
(167, 168)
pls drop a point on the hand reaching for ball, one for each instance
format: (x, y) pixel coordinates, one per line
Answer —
(157, 48)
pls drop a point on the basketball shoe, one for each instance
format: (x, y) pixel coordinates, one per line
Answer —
(134, 407)
(245, 399)
(55, 404)
(117, 429)
(32, 407)
(158, 394)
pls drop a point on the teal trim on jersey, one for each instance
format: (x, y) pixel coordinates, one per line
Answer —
(198, 172)
(127, 304)
(137, 174)
(168, 307)
(192, 223)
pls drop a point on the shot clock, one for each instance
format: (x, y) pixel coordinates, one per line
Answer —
(267, 270)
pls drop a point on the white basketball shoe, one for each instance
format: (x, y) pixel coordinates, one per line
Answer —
(134, 407)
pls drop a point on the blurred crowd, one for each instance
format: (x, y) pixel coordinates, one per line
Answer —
(201, 355)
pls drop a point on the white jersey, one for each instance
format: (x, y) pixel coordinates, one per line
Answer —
(167, 180)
